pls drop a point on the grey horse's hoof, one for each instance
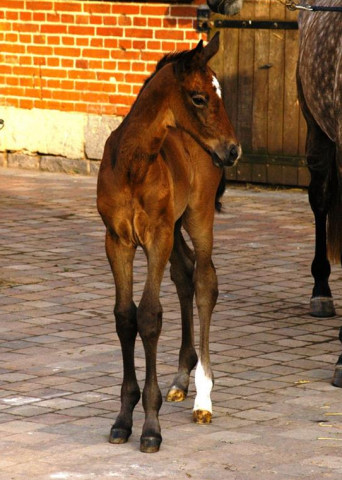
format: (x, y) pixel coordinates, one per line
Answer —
(322, 307)
(337, 378)
(119, 435)
(150, 444)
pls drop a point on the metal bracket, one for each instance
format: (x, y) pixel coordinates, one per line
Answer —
(253, 24)
(204, 23)
(203, 19)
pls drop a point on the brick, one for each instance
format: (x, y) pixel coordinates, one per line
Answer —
(11, 15)
(140, 21)
(28, 16)
(49, 28)
(109, 31)
(96, 20)
(12, 48)
(40, 50)
(26, 27)
(139, 32)
(124, 20)
(54, 72)
(81, 30)
(155, 22)
(81, 63)
(139, 44)
(82, 41)
(182, 11)
(68, 40)
(54, 40)
(36, 17)
(39, 5)
(15, 4)
(127, 9)
(95, 53)
(97, 42)
(92, 7)
(67, 62)
(170, 34)
(84, 74)
(135, 78)
(67, 18)
(67, 51)
(158, 10)
(68, 6)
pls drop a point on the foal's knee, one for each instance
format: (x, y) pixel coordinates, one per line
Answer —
(126, 320)
(149, 321)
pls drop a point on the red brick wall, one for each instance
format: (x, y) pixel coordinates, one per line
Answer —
(85, 56)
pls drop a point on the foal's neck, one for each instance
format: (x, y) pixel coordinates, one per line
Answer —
(146, 125)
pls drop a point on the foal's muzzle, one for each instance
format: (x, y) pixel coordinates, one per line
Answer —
(226, 157)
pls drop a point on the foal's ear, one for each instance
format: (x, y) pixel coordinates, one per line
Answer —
(210, 49)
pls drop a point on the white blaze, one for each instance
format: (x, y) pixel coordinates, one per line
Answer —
(204, 385)
(217, 86)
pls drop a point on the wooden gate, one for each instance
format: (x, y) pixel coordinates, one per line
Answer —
(257, 67)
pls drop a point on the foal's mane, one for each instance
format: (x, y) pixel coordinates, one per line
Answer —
(179, 58)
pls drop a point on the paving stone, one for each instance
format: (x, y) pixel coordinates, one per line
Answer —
(276, 415)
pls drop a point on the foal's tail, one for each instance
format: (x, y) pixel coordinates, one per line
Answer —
(335, 215)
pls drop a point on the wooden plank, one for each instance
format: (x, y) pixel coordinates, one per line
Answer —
(230, 74)
(276, 83)
(260, 83)
(245, 81)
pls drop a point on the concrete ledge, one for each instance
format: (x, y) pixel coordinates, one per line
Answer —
(54, 141)
(49, 163)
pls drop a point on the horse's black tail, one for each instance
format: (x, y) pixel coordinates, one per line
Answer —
(220, 191)
(335, 214)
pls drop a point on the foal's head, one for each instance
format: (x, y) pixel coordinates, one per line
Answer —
(198, 107)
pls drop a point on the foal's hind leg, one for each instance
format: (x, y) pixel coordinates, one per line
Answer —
(200, 230)
(149, 318)
(121, 260)
(182, 269)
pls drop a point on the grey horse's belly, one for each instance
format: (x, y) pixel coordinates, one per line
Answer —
(320, 66)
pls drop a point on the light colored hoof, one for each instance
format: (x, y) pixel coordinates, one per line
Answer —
(201, 416)
(322, 307)
(175, 395)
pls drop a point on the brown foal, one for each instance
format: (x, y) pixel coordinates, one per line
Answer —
(160, 171)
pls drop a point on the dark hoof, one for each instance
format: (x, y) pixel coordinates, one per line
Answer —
(337, 378)
(150, 444)
(119, 435)
(322, 307)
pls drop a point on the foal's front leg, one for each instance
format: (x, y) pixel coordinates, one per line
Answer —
(149, 317)
(121, 261)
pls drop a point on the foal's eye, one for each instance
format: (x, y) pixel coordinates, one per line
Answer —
(199, 101)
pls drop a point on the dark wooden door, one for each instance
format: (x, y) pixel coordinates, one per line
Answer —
(256, 67)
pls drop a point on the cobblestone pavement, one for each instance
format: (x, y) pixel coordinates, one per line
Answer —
(276, 415)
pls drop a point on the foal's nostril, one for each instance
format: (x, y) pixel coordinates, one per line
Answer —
(234, 153)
